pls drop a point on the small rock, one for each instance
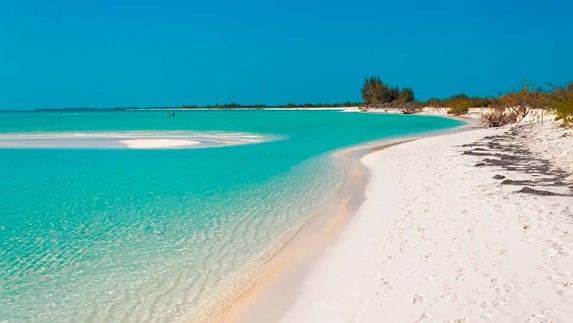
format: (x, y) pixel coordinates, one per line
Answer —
(499, 176)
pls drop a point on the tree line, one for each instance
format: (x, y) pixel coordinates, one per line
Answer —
(229, 106)
(376, 93)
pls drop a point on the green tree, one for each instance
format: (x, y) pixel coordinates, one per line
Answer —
(374, 91)
(406, 95)
(390, 94)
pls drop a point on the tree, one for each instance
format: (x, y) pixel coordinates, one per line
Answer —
(406, 95)
(372, 89)
(390, 94)
(375, 91)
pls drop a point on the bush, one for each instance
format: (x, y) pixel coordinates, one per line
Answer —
(410, 108)
(561, 100)
(461, 109)
(498, 117)
(434, 103)
(526, 98)
(506, 109)
(460, 104)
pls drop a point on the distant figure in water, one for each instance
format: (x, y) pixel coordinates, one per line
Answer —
(173, 114)
(168, 115)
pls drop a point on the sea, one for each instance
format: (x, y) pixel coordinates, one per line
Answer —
(92, 230)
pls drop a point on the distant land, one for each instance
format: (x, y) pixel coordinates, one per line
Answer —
(196, 107)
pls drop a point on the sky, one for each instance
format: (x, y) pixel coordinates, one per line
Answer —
(125, 53)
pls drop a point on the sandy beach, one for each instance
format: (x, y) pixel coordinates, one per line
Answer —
(261, 162)
(462, 227)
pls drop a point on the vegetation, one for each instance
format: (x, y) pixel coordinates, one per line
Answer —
(504, 109)
(410, 107)
(264, 106)
(525, 98)
(561, 100)
(218, 106)
(375, 92)
(510, 107)
(497, 118)
(458, 104)
(507, 108)
(406, 95)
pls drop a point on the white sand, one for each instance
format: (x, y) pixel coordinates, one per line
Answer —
(132, 139)
(157, 143)
(440, 240)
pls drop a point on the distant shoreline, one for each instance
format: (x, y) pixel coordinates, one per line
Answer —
(197, 108)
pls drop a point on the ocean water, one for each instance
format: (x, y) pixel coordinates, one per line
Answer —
(135, 235)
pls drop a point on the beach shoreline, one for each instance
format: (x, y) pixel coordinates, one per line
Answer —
(293, 294)
(206, 218)
(288, 265)
(286, 268)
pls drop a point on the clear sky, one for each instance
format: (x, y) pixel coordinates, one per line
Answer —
(111, 53)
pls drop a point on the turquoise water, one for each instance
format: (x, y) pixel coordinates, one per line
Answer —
(120, 234)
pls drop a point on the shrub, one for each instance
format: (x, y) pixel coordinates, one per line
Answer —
(434, 103)
(410, 107)
(460, 104)
(526, 98)
(515, 105)
(498, 117)
(561, 100)
(460, 109)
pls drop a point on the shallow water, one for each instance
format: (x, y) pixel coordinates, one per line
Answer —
(120, 234)
(129, 139)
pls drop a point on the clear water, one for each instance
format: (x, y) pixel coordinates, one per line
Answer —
(108, 235)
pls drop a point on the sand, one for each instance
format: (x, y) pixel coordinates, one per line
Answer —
(183, 139)
(439, 239)
(157, 143)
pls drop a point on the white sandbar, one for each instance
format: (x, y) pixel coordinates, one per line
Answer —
(157, 143)
(130, 140)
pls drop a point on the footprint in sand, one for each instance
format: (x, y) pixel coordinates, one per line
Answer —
(425, 256)
(423, 317)
(418, 299)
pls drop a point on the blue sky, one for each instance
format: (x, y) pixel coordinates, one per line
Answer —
(112, 53)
